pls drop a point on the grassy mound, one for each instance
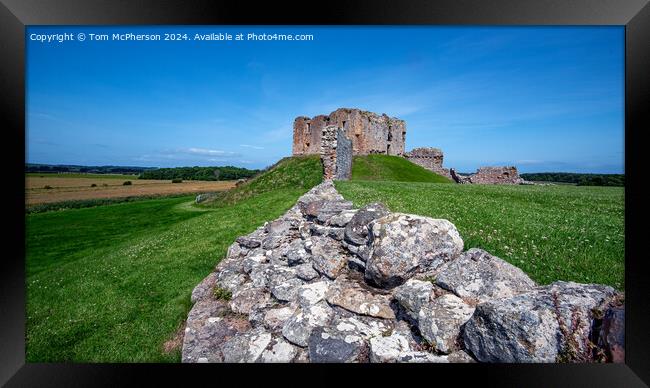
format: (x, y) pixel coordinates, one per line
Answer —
(392, 168)
(293, 174)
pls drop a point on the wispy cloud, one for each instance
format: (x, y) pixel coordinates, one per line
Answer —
(251, 146)
(204, 152)
(190, 154)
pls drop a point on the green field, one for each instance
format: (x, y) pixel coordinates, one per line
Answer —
(550, 232)
(112, 283)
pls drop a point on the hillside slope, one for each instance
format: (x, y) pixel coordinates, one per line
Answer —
(392, 168)
(292, 174)
(112, 283)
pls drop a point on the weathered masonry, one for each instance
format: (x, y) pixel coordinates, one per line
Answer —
(429, 158)
(336, 154)
(369, 132)
(346, 132)
(496, 175)
(507, 175)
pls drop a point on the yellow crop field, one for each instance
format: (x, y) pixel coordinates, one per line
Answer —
(50, 189)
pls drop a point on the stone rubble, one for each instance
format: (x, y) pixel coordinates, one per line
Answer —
(506, 175)
(477, 275)
(404, 245)
(329, 283)
(535, 326)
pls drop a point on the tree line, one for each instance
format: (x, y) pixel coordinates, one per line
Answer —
(199, 173)
(63, 168)
(577, 178)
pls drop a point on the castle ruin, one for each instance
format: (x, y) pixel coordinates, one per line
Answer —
(346, 132)
(429, 158)
(369, 132)
(496, 175)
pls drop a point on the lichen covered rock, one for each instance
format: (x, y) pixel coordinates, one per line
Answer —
(328, 257)
(403, 245)
(479, 276)
(247, 347)
(413, 295)
(440, 321)
(548, 324)
(299, 327)
(205, 288)
(209, 326)
(353, 297)
(356, 230)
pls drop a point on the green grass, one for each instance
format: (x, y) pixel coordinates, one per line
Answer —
(112, 283)
(392, 168)
(550, 232)
(79, 175)
(83, 203)
(296, 174)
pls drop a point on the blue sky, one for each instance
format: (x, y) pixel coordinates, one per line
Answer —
(540, 98)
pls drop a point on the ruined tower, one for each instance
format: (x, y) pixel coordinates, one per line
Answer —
(369, 132)
(429, 158)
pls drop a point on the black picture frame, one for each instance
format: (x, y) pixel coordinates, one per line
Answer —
(15, 15)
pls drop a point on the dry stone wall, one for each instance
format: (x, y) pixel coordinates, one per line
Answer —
(329, 283)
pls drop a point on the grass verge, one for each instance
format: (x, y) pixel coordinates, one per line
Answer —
(84, 203)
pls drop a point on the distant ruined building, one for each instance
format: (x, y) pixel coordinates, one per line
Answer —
(346, 132)
(507, 175)
(429, 158)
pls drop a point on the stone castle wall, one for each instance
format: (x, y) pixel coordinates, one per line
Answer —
(429, 158)
(343, 156)
(328, 151)
(363, 133)
(369, 132)
(336, 153)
